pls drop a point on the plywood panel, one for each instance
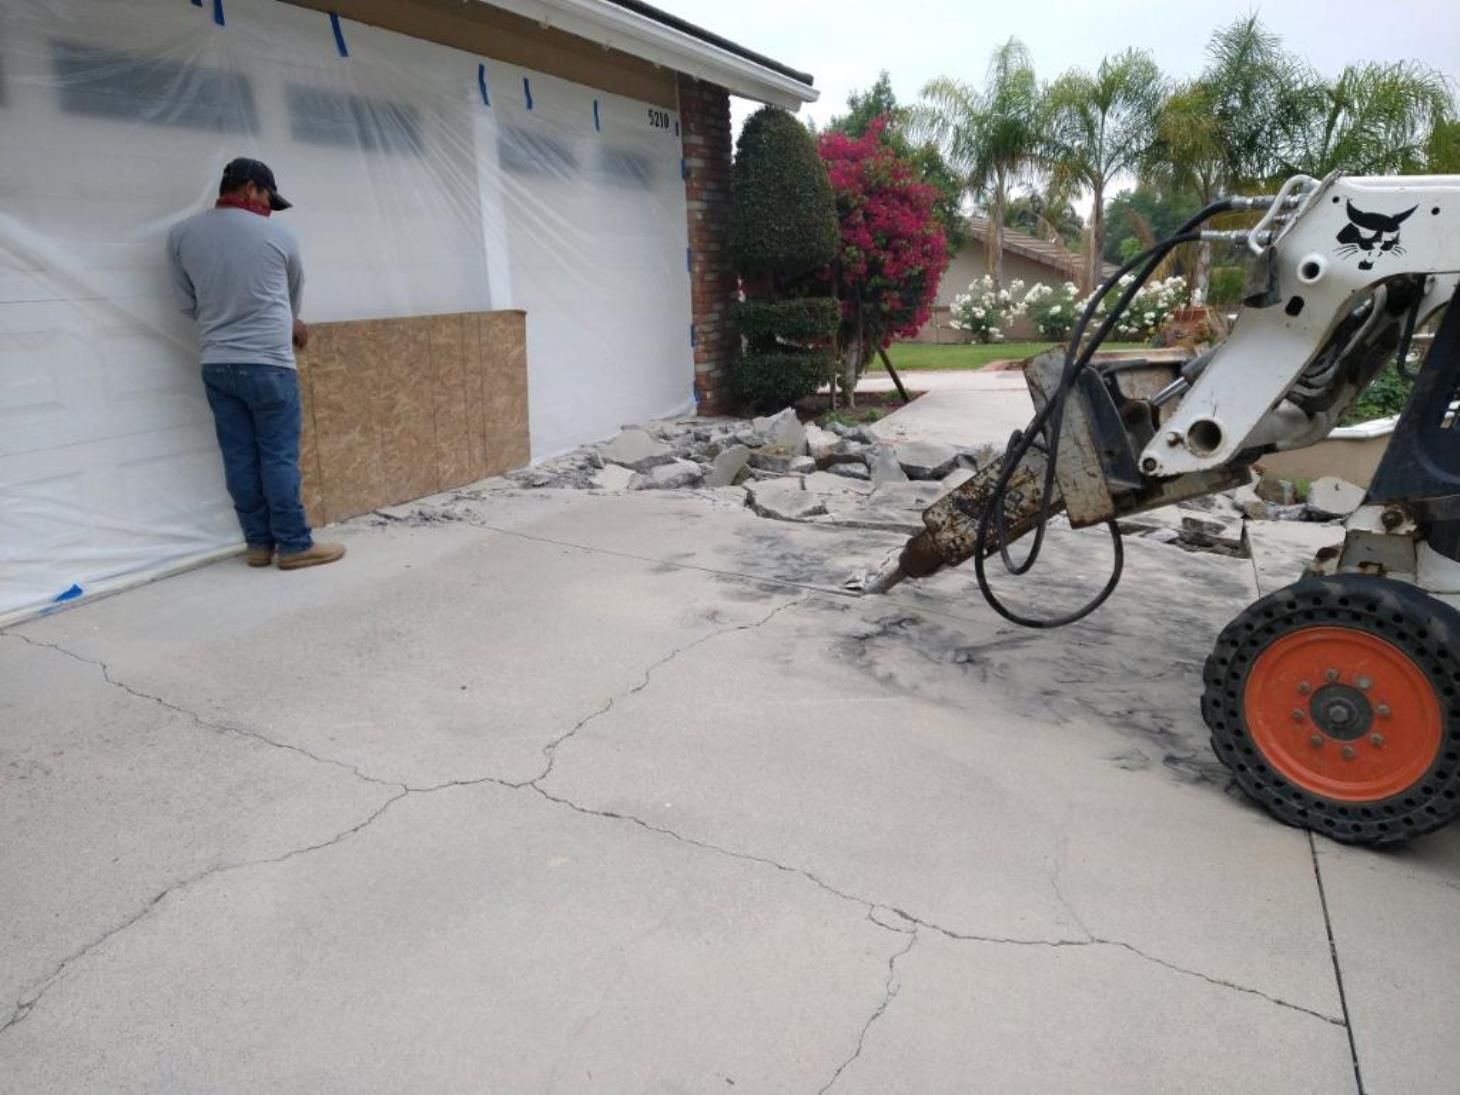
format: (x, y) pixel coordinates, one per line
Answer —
(312, 490)
(453, 449)
(404, 407)
(396, 409)
(476, 395)
(504, 366)
(348, 442)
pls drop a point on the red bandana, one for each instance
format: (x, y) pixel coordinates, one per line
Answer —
(238, 201)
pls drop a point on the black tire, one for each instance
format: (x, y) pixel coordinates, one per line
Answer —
(1425, 630)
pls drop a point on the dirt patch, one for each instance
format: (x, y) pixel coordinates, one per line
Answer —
(870, 407)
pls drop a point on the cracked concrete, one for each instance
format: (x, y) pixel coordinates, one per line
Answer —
(569, 792)
(1085, 1019)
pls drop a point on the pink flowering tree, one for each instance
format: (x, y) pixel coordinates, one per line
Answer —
(893, 252)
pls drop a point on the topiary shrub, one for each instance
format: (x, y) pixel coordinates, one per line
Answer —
(803, 321)
(774, 379)
(783, 221)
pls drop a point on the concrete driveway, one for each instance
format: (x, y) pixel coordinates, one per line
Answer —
(558, 791)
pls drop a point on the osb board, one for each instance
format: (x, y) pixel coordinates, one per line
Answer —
(395, 409)
(486, 31)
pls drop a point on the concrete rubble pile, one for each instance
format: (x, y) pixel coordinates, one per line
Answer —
(780, 467)
(1222, 523)
(784, 469)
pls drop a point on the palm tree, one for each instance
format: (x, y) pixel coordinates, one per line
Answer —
(989, 134)
(1443, 154)
(1375, 119)
(1097, 128)
(1260, 96)
(1228, 129)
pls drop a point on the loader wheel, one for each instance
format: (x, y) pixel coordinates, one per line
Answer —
(1336, 704)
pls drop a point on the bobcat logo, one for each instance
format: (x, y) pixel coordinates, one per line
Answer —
(1374, 234)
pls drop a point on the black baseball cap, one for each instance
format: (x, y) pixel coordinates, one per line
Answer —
(244, 170)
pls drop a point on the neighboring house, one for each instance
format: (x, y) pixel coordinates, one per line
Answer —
(454, 164)
(1026, 258)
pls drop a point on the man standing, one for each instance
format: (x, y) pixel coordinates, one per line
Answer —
(238, 273)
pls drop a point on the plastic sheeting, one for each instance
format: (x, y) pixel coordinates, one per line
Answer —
(425, 180)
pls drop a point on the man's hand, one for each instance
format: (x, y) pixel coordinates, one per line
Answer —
(301, 335)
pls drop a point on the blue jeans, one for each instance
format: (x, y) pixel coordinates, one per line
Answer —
(256, 412)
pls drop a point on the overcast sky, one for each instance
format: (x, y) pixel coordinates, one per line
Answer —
(844, 43)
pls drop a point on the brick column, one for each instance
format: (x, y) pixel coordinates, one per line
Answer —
(704, 113)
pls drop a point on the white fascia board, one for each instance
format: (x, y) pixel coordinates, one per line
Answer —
(638, 35)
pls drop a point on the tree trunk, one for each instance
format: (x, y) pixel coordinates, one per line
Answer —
(1095, 260)
(852, 359)
(1203, 269)
(996, 235)
(897, 380)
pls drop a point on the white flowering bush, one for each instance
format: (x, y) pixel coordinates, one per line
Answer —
(985, 311)
(1148, 311)
(1052, 309)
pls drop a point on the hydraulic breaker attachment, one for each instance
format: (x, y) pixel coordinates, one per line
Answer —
(1111, 413)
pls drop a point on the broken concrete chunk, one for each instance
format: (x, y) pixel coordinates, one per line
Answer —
(826, 482)
(979, 457)
(783, 430)
(1160, 519)
(802, 465)
(845, 451)
(634, 448)
(851, 471)
(784, 500)
(681, 473)
(728, 464)
(1247, 502)
(956, 478)
(614, 477)
(1297, 512)
(886, 469)
(926, 459)
(753, 439)
(1279, 492)
(819, 442)
(1334, 497)
(1213, 530)
(774, 459)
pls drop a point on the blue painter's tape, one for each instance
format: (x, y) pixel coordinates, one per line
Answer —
(482, 84)
(69, 595)
(683, 168)
(689, 261)
(691, 334)
(197, 3)
(218, 13)
(676, 129)
(339, 35)
(596, 124)
(527, 92)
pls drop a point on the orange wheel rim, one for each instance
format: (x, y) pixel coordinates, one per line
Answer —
(1343, 714)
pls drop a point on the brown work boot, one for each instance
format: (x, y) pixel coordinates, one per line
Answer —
(259, 556)
(316, 556)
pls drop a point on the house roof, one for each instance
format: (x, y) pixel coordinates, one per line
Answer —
(641, 30)
(1049, 252)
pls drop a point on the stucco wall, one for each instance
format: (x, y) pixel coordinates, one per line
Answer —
(970, 264)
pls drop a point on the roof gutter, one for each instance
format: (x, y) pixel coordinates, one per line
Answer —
(667, 44)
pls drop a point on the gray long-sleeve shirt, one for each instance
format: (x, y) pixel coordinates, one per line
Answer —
(240, 276)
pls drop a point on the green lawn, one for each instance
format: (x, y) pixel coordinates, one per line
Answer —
(915, 355)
